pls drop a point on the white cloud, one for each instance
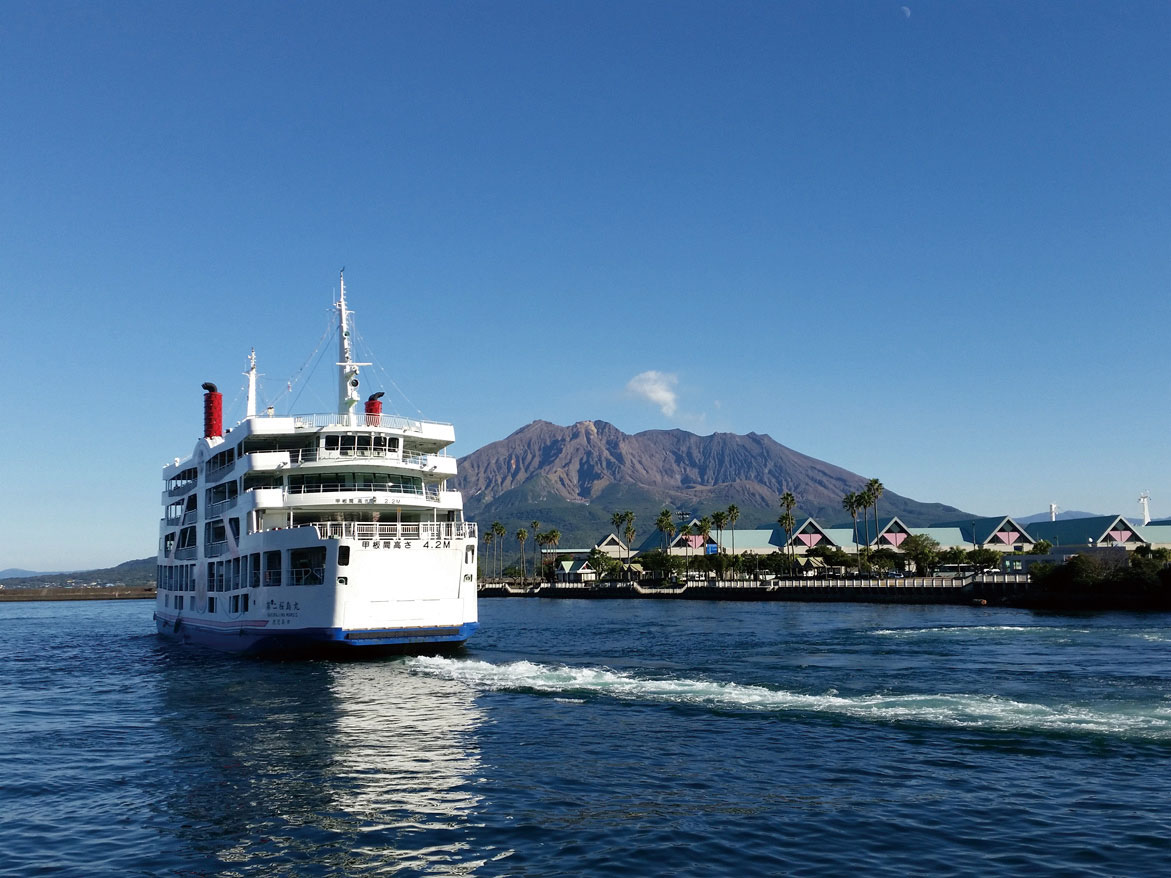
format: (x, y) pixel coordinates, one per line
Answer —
(657, 387)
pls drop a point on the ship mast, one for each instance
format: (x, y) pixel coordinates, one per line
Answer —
(251, 373)
(347, 369)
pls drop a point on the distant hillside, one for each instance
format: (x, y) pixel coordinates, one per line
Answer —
(14, 572)
(128, 573)
(574, 478)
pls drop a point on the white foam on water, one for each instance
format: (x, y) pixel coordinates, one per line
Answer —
(977, 629)
(977, 711)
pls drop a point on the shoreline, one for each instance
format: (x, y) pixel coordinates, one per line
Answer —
(126, 593)
(916, 590)
(999, 590)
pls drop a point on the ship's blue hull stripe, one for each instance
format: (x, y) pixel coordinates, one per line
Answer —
(256, 641)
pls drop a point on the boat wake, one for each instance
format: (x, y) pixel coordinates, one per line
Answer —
(977, 630)
(972, 711)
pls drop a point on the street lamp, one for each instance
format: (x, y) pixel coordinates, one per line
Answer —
(683, 528)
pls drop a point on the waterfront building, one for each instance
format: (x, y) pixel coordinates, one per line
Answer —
(1098, 530)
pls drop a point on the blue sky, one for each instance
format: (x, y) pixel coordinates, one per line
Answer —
(927, 242)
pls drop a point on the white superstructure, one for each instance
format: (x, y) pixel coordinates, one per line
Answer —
(304, 533)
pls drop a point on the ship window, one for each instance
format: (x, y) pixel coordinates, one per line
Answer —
(211, 605)
(179, 602)
(331, 443)
(272, 568)
(363, 443)
(343, 556)
(469, 555)
(307, 566)
(254, 571)
(380, 443)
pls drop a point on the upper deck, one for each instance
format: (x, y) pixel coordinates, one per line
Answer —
(418, 437)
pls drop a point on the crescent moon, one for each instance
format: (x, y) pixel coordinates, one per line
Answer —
(906, 10)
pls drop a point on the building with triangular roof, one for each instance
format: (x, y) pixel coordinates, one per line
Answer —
(994, 532)
(1098, 530)
(612, 546)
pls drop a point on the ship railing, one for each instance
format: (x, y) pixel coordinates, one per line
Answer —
(313, 455)
(307, 575)
(362, 420)
(428, 492)
(272, 577)
(216, 508)
(212, 474)
(186, 554)
(214, 550)
(423, 530)
(189, 516)
(172, 520)
(180, 488)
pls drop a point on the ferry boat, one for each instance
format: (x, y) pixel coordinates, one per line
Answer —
(317, 533)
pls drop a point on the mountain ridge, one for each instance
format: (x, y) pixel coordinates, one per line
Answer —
(578, 475)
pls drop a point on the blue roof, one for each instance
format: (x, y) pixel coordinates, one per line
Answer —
(1079, 531)
(982, 530)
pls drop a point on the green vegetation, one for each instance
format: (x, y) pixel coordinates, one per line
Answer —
(1140, 582)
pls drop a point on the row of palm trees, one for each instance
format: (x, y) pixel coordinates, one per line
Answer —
(859, 502)
(856, 503)
(718, 520)
(494, 540)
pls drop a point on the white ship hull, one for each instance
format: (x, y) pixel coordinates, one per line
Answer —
(316, 534)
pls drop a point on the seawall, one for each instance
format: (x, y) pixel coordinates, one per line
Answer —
(135, 593)
(915, 590)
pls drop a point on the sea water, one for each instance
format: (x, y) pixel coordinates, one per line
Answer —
(595, 738)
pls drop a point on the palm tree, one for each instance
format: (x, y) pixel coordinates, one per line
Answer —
(553, 538)
(665, 523)
(719, 521)
(500, 532)
(705, 530)
(786, 522)
(522, 537)
(865, 501)
(686, 530)
(538, 556)
(851, 504)
(628, 532)
(874, 486)
(616, 521)
(488, 538)
(733, 515)
(788, 501)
